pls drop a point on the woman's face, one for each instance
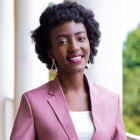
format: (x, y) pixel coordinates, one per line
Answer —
(70, 47)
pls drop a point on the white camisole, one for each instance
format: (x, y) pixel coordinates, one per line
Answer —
(83, 124)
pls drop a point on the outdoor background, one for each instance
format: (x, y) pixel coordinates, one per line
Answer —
(116, 67)
(131, 65)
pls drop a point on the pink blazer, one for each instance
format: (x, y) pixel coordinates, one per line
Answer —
(44, 115)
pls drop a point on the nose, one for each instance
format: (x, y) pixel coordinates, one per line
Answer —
(74, 46)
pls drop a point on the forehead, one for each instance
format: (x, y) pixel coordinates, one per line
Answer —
(69, 27)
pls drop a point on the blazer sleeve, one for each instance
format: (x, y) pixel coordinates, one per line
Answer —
(24, 123)
(119, 132)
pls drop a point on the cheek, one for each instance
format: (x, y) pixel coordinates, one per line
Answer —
(87, 47)
(88, 51)
(60, 54)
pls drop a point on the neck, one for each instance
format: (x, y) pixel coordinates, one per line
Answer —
(73, 83)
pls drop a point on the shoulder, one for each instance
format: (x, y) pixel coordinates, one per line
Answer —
(110, 100)
(105, 93)
(39, 91)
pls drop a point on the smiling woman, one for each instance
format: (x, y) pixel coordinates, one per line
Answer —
(70, 47)
(70, 106)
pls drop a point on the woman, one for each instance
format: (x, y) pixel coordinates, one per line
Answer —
(70, 106)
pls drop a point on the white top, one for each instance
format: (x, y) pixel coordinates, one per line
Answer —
(83, 124)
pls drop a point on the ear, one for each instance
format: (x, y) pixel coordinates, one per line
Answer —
(50, 53)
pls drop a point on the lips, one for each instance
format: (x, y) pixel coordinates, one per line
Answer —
(75, 58)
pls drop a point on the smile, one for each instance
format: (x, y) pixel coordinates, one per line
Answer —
(76, 59)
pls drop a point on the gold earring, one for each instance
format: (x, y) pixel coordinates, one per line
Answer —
(88, 63)
(54, 69)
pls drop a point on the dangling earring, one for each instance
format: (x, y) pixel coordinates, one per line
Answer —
(88, 63)
(54, 67)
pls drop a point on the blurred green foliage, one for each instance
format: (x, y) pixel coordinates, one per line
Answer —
(51, 76)
(50, 4)
(131, 82)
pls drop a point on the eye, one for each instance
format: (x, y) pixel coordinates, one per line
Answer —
(81, 38)
(62, 42)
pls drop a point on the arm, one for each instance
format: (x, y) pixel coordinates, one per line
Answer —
(24, 123)
(119, 132)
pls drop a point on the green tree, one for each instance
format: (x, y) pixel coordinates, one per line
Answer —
(131, 82)
(50, 4)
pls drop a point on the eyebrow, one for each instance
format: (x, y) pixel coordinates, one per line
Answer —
(65, 35)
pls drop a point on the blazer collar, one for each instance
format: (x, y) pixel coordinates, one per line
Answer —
(97, 108)
(59, 105)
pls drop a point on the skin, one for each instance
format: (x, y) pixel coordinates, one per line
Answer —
(71, 38)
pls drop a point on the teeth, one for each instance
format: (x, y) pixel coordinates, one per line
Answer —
(76, 58)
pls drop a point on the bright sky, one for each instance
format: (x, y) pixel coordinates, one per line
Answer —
(130, 16)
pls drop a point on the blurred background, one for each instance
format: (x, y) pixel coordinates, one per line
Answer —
(116, 67)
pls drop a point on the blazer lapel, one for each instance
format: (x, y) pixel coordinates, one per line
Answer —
(59, 105)
(97, 108)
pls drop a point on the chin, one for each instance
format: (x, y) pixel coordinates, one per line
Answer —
(77, 69)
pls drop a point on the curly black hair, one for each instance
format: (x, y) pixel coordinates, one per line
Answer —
(59, 14)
